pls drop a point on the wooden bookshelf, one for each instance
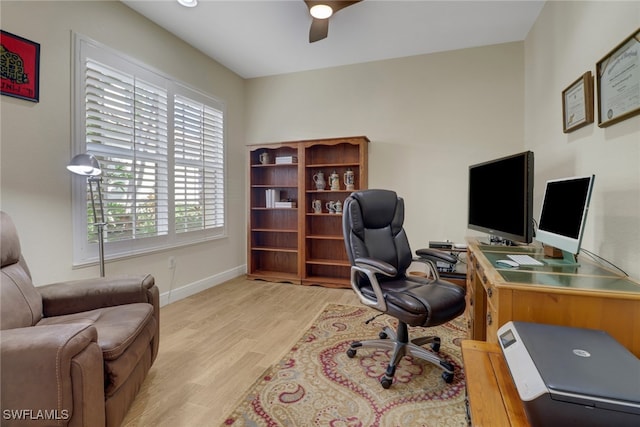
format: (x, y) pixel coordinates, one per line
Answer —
(295, 244)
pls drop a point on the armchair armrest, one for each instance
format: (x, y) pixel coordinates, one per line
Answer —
(370, 267)
(52, 369)
(90, 294)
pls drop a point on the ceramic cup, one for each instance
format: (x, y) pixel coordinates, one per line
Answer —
(331, 207)
(265, 158)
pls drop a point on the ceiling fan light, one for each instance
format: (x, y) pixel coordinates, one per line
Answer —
(188, 3)
(321, 11)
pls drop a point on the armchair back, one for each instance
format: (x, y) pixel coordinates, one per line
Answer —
(20, 302)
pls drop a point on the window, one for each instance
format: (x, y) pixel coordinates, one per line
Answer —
(161, 148)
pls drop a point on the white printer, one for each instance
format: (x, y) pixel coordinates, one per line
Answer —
(572, 376)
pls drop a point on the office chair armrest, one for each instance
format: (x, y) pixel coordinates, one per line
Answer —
(369, 267)
(431, 257)
(377, 265)
(435, 255)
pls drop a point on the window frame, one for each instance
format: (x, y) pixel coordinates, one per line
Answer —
(85, 252)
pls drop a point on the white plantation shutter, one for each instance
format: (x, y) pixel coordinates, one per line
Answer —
(199, 166)
(161, 149)
(126, 129)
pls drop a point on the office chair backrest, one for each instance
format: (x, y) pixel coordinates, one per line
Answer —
(372, 227)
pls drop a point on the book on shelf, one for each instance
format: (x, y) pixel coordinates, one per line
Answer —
(283, 160)
(285, 204)
(271, 195)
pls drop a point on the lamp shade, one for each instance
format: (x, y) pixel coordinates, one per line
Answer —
(85, 164)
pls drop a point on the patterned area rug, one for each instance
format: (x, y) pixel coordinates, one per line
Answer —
(316, 384)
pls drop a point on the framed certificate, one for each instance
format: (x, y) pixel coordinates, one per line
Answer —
(618, 75)
(577, 103)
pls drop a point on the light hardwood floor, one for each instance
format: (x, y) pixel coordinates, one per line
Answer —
(215, 344)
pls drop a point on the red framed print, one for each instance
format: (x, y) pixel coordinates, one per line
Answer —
(20, 67)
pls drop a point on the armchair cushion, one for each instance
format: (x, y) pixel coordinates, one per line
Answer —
(127, 328)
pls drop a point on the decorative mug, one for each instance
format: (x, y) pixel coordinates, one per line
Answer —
(349, 180)
(265, 158)
(316, 205)
(338, 207)
(334, 181)
(331, 207)
(319, 180)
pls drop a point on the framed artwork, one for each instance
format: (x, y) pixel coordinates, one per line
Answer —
(577, 103)
(19, 67)
(618, 76)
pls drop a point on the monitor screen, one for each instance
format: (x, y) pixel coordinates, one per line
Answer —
(564, 212)
(501, 197)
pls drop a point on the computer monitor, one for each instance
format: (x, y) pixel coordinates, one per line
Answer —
(501, 198)
(564, 214)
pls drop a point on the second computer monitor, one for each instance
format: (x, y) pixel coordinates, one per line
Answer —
(564, 213)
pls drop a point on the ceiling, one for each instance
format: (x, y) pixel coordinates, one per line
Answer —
(266, 37)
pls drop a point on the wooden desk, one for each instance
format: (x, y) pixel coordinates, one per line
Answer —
(588, 296)
(492, 395)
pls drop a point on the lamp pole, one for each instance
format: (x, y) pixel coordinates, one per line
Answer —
(87, 165)
(100, 224)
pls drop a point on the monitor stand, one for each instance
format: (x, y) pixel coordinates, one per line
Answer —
(568, 260)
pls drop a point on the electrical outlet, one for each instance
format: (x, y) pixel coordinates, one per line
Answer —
(172, 262)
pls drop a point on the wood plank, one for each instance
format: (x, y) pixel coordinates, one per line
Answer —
(215, 344)
(493, 398)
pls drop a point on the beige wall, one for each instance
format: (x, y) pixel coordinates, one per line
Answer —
(428, 118)
(567, 40)
(36, 141)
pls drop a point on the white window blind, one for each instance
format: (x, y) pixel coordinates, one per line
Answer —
(199, 178)
(161, 148)
(126, 129)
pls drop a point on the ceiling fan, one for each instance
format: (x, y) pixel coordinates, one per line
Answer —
(320, 12)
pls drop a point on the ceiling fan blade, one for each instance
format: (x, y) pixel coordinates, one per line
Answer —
(319, 30)
(337, 5)
(320, 27)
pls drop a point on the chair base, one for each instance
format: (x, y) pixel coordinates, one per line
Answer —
(398, 342)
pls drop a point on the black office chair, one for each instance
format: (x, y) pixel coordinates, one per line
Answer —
(379, 253)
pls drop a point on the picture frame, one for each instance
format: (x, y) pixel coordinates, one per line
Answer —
(618, 75)
(20, 67)
(577, 103)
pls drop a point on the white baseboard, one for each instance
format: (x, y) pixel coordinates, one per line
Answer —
(201, 285)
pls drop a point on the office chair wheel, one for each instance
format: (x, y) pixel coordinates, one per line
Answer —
(385, 381)
(447, 377)
(446, 365)
(351, 353)
(436, 346)
(383, 335)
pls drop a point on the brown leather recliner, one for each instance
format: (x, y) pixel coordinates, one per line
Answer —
(73, 353)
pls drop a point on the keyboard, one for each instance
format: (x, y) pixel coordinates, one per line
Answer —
(524, 260)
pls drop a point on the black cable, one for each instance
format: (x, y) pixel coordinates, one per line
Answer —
(599, 258)
(368, 321)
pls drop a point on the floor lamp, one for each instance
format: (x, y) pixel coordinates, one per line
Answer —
(87, 165)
